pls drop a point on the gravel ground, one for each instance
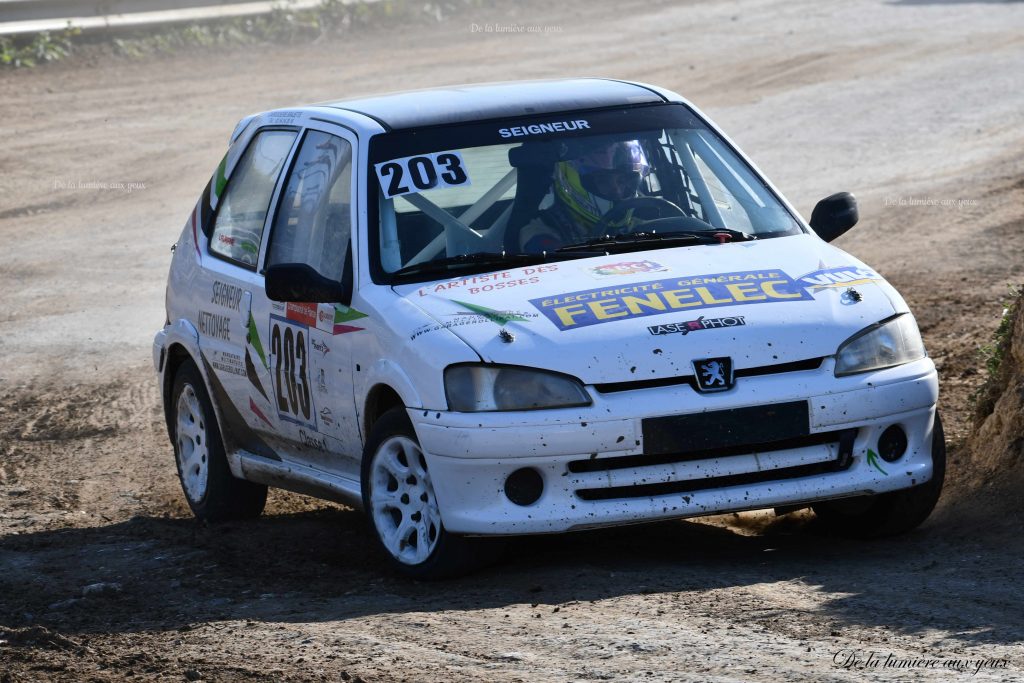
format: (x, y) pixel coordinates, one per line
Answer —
(104, 576)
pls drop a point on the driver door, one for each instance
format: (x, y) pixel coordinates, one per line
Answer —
(309, 412)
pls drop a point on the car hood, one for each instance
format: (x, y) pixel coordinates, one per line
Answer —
(650, 314)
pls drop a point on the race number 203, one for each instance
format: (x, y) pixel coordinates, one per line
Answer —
(421, 172)
(289, 366)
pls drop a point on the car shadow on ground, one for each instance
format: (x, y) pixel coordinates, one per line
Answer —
(153, 573)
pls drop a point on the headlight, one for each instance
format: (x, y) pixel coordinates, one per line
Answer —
(476, 388)
(892, 342)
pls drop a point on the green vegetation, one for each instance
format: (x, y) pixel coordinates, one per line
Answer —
(993, 354)
(37, 48)
(282, 25)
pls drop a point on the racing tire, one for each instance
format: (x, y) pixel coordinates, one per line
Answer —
(402, 510)
(212, 492)
(888, 514)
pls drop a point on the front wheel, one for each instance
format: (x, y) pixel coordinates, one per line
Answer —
(888, 514)
(212, 492)
(398, 496)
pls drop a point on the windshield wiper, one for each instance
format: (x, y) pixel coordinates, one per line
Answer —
(675, 238)
(502, 259)
(498, 258)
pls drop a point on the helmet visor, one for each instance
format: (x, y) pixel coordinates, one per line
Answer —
(612, 184)
(615, 171)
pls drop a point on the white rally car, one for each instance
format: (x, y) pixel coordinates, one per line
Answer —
(532, 307)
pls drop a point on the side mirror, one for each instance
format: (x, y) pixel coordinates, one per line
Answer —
(834, 215)
(301, 283)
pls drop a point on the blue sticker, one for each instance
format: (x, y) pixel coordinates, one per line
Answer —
(655, 297)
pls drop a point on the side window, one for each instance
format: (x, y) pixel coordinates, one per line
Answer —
(242, 211)
(314, 219)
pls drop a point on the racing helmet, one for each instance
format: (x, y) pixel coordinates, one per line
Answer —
(591, 183)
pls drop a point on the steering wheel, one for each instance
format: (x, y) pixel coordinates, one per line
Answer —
(645, 208)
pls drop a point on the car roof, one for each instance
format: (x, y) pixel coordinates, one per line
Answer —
(462, 103)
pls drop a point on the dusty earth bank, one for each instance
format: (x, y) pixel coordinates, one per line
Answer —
(104, 576)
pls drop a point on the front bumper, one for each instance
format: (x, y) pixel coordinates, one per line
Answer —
(470, 455)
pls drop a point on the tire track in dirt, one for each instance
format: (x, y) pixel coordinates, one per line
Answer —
(72, 453)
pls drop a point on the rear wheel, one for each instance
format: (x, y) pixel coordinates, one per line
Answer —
(212, 492)
(888, 514)
(398, 496)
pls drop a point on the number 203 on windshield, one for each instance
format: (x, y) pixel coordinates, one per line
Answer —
(421, 172)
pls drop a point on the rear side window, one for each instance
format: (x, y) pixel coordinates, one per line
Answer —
(242, 211)
(314, 219)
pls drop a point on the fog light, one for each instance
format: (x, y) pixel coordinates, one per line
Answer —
(892, 444)
(524, 486)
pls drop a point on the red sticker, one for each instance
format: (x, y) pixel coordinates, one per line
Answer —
(304, 314)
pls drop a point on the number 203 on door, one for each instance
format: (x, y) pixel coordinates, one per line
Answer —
(289, 353)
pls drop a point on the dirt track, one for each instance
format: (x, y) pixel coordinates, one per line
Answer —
(905, 103)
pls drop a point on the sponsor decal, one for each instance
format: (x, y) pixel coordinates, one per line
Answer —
(301, 313)
(328, 318)
(496, 317)
(227, 362)
(320, 346)
(215, 326)
(326, 416)
(253, 338)
(225, 295)
(837, 278)
(259, 413)
(342, 315)
(492, 282)
(279, 117)
(311, 441)
(574, 310)
(700, 323)
(289, 360)
(321, 382)
(474, 316)
(713, 374)
(626, 268)
(873, 461)
(542, 128)
(254, 379)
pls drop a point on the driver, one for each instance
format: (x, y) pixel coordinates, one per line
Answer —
(586, 189)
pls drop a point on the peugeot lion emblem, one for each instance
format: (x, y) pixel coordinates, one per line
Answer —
(713, 374)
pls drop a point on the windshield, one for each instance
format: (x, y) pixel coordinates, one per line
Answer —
(484, 196)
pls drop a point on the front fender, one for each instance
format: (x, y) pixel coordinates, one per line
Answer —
(389, 373)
